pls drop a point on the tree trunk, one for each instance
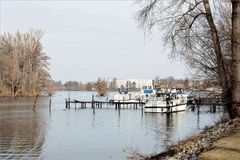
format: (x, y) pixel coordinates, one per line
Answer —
(225, 78)
(221, 69)
(236, 57)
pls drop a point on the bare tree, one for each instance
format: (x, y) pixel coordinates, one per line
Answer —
(101, 87)
(23, 66)
(198, 36)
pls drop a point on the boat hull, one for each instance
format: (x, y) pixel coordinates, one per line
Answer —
(165, 109)
(126, 101)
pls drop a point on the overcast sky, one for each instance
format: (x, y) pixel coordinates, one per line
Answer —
(87, 40)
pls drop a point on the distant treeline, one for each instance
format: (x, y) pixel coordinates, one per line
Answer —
(23, 65)
(100, 86)
(164, 83)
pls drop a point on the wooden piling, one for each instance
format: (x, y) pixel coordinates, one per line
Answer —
(50, 104)
(69, 103)
(66, 103)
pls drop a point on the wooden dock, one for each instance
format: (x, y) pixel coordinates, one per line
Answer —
(102, 104)
(211, 102)
(193, 103)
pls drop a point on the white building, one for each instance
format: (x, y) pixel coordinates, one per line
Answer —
(139, 83)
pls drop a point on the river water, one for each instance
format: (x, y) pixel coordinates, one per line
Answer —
(84, 134)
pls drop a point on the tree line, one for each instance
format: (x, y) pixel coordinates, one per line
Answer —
(99, 85)
(111, 85)
(23, 65)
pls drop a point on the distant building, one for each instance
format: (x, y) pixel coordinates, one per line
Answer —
(137, 83)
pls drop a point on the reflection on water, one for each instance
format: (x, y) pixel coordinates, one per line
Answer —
(89, 134)
(22, 133)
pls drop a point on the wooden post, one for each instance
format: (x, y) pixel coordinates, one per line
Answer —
(66, 103)
(69, 103)
(50, 104)
(192, 107)
(214, 108)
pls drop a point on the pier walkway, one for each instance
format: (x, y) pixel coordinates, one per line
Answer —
(101, 104)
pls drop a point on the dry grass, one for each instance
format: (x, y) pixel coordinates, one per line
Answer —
(227, 148)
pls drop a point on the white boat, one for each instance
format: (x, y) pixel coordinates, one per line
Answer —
(124, 96)
(146, 93)
(172, 101)
(164, 107)
(127, 98)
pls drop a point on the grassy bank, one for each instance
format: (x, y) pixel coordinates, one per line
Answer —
(225, 148)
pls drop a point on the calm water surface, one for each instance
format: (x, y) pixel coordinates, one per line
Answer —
(85, 134)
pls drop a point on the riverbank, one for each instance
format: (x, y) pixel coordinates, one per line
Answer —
(207, 141)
